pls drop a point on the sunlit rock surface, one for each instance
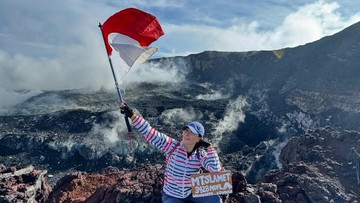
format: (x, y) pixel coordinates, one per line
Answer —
(23, 184)
(141, 185)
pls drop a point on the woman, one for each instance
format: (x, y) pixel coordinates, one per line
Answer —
(183, 158)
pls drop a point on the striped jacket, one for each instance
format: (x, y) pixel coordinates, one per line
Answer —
(179, 168)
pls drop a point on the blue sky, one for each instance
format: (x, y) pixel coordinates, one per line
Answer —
(51, 45)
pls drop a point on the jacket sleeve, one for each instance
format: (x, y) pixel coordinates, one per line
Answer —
(209, 159)
(154, 137)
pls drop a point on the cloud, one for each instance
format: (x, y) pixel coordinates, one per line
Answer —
(52, 52)
(154, 3)
(308, 23)
(11, 98)
(155, 72)
(70, 71)
(66, 51)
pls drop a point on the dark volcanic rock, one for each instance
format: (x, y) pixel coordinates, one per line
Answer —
(318, 168)
(23, 185)
(304, 183)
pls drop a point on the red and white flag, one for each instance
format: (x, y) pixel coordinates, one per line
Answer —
(127, 35)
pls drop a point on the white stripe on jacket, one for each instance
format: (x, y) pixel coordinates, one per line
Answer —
(177, 177)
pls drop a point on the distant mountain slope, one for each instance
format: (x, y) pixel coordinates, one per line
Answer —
(320, 79)
(250, 103)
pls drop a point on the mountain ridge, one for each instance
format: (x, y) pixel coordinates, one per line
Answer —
(251, 104)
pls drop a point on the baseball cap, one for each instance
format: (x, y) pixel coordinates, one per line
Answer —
(196, 128)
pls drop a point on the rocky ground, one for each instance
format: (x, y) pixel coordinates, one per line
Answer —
(94, 136)
(73, 146)
(317, 167)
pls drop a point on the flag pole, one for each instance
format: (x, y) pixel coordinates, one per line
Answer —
(115, 80)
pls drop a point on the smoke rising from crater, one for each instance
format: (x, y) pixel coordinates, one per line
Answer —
(233, 117)
(179, 115)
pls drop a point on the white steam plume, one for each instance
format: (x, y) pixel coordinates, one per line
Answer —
(115, 137)
(155, 72)
(10, 98)
(180, 115)
(234, 115)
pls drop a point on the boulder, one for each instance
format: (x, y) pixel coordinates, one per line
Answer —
(23, 185)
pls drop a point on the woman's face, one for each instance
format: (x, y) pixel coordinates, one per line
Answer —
(189, 138)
